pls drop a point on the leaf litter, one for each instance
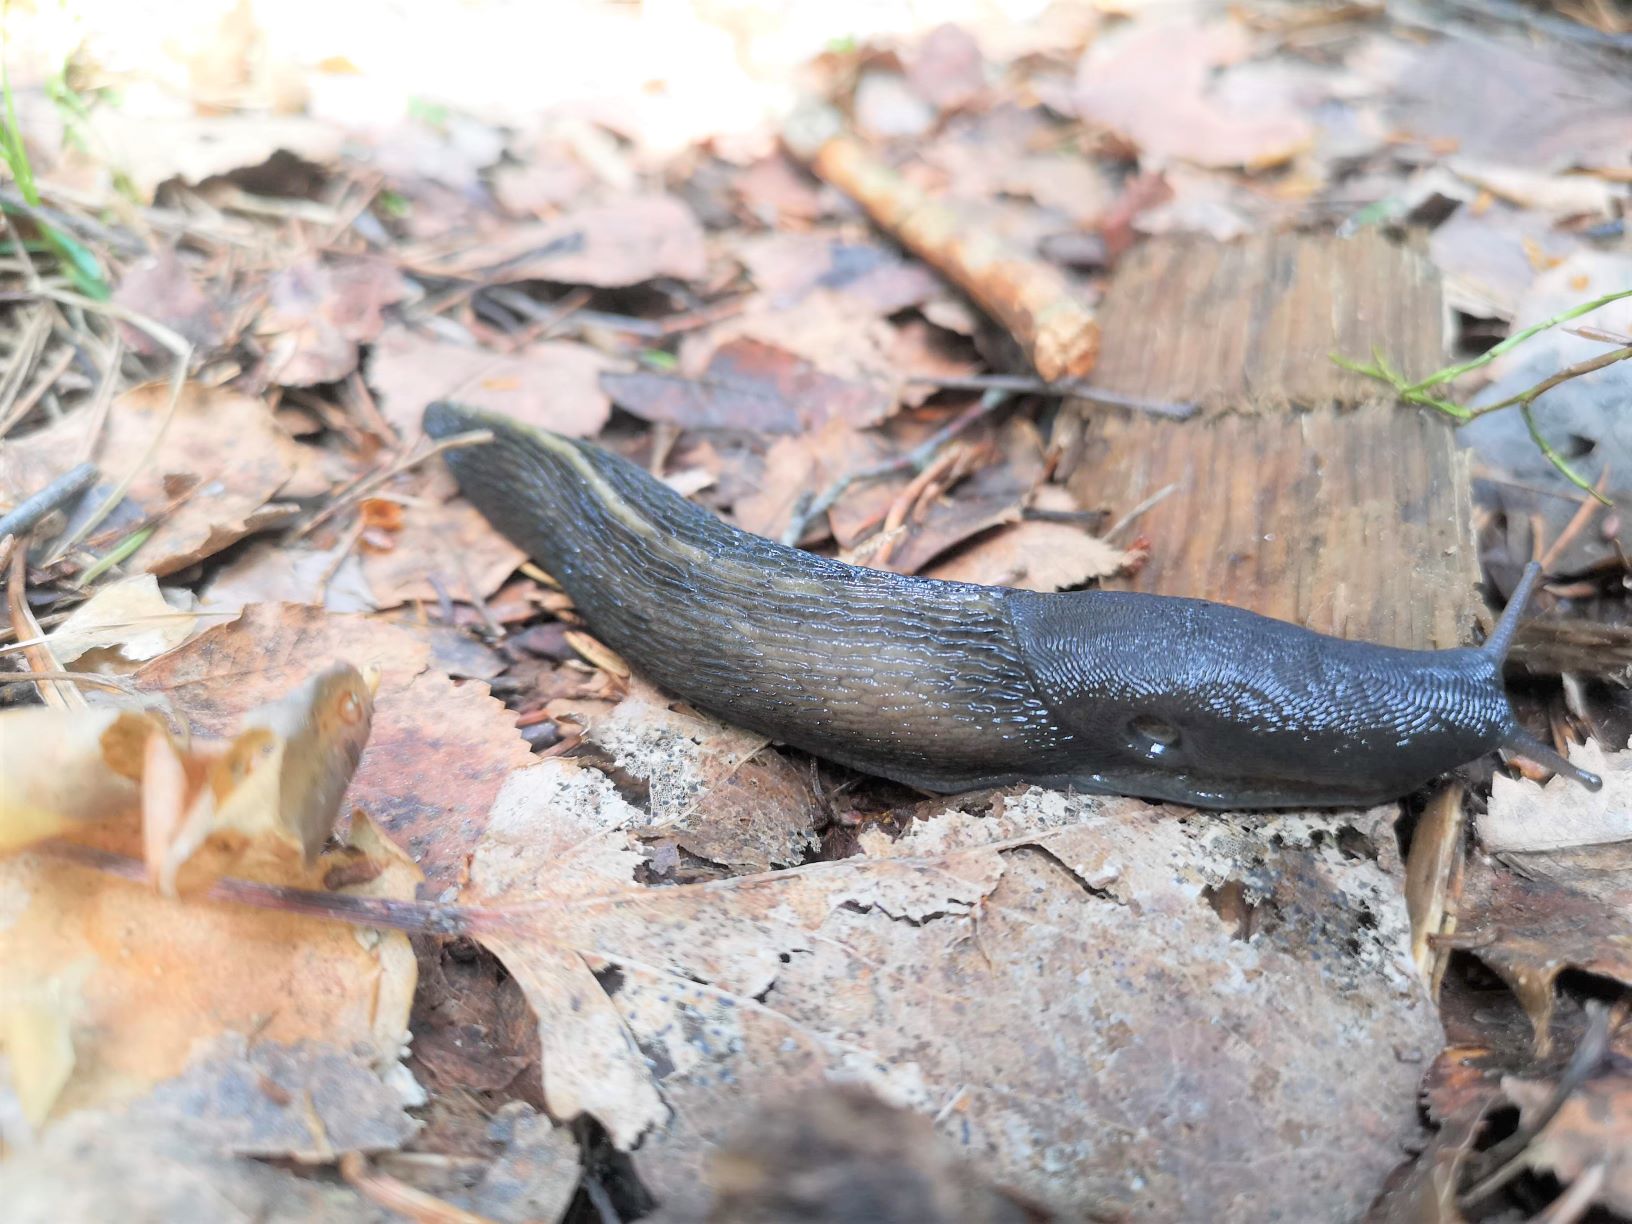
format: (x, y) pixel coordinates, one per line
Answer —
(1072, 998)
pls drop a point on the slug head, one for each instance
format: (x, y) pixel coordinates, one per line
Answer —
(1207, 704)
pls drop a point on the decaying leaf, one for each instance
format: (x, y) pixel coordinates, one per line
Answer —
(552, 384)
(1495, 102)
(267, 800)
(271, 573)
(319, 312)
(1036, 555)
(623, 242)
(1003, 465)
(126, 621)
(1561, 815)
(438, 752)
(749, 385)
(67, 769)
(220, 460)
(869, 277)
(1588, 1140)
(799, 467)
(1155, 84)
(151, 150)
(159, 979)
(535, 1174)
(1046, 981)
(193, 1145)
(442, 550)
(165, 288)
(717, 790)
(1531, 930)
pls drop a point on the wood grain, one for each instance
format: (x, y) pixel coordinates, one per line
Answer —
(1300, 491)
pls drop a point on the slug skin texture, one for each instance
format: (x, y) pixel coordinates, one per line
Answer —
(949, 686)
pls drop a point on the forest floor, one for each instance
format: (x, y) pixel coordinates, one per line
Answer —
(349, 876)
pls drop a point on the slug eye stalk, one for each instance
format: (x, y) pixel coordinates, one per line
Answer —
(1517, 740)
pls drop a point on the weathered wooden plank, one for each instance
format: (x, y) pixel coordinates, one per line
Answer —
(1301, 491)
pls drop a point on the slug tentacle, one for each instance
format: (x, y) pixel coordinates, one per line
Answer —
(1517, 740)
(949, 686)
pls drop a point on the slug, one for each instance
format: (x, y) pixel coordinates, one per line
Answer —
(950, 686)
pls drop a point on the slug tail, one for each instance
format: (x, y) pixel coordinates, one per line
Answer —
(1522, 743)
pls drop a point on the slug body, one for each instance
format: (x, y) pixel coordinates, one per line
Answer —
(949, 686)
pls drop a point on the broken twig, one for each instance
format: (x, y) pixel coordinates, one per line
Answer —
(1032, 300)
(808, 509)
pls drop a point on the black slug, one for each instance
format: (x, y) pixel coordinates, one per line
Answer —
(949, 686)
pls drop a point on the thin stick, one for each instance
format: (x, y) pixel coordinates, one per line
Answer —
(183, 352)
(22, 518)
(914, 460)
(45, 380)
(1508, 1156)
(23, 356)
(1021, 384)
(1588, 332)
(103, 402)
(417, 916)
(40, 657)
(117, 683)
(475, 437)
(1578, 522)
(1032, 300)
(1154, 499)
(1552, 380)
(934, 476)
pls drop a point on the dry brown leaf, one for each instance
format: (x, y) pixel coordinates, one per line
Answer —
(1531, 930)
(150, 150)
(1589, 1138)
(1036, 555)
(441, 550)
(275, 572)
(164, 288)
(945, 68)
(1561, 815)
(920, 349)
(553, 384)
(868, 277)
(223, 445)
(67, 769)
(715, 789)
(438, 752)
(202, 1144)
(1009, 463)
(126, 621)
(623, 242)
(320, 312)
(827, 327)
(749, 385)
(163, 978)
(541, 185)
(1155, 83)
(1042, 980)
(266, 801)
(1485, 257)
(1509, 105)
(797, 467)
(777, 191)
(885, 108)
(534, 1177)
